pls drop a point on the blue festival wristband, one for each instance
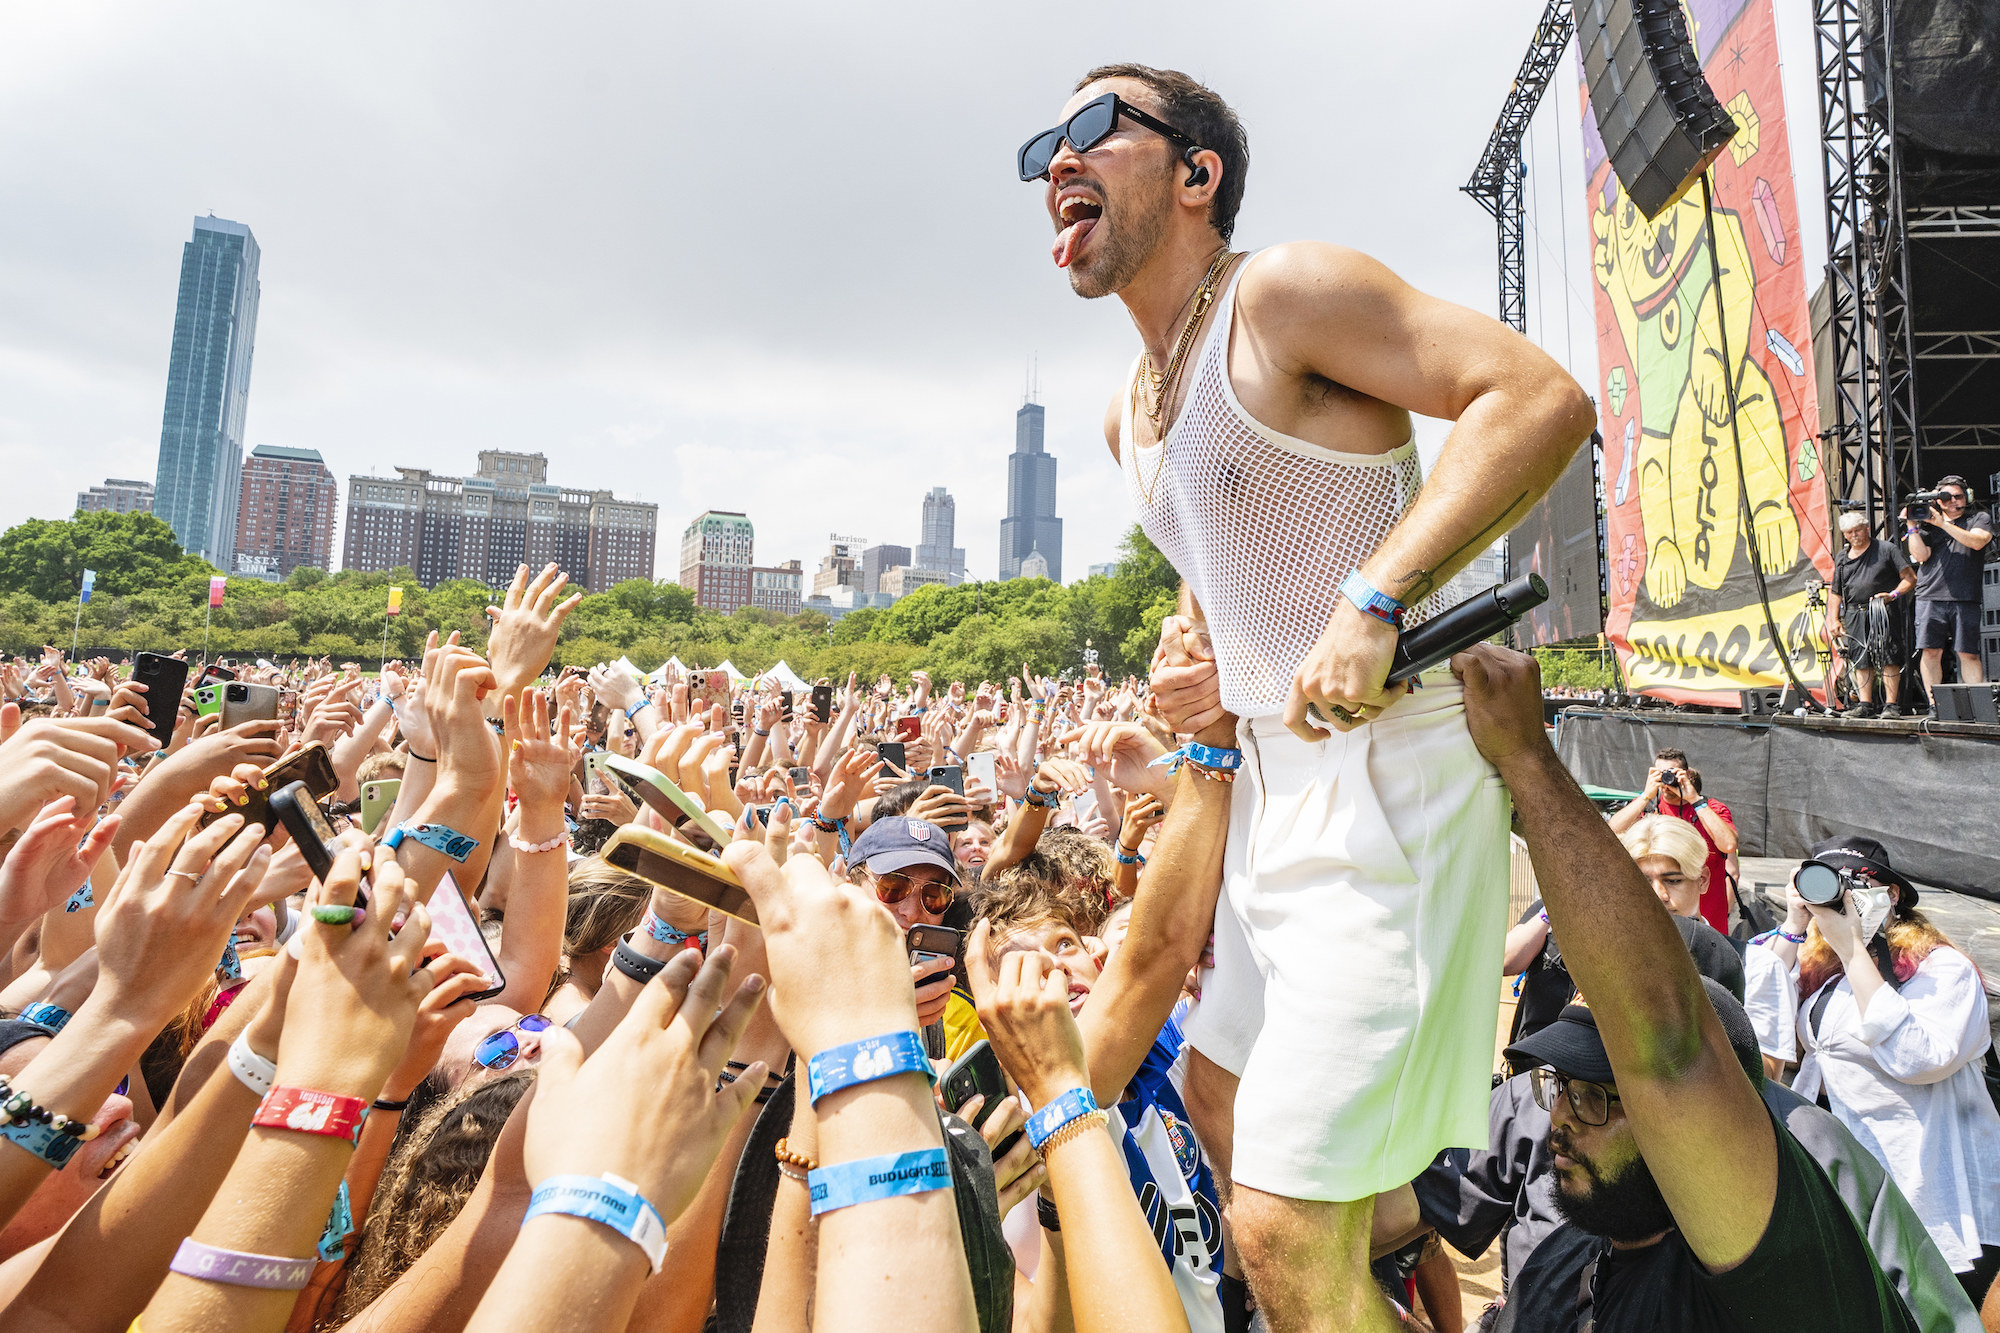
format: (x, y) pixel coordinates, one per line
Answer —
(865, 1061)
(663, 933)
(230, 967)
(632, 713)
(50, 1016)
(1372, 600)
(339, 1226)
(446, 841)
(872, 1178)
(1072, 1105)
(1133, 860)
(612, 1200)
(1047, 799)
(81, 899)
(1207, 756)
(44, 1141)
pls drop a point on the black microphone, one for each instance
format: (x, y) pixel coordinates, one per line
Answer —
(1477, 618)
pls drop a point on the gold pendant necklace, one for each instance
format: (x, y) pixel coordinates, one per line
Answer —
(1163, 383)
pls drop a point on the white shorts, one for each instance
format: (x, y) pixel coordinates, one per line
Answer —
(1356, 986)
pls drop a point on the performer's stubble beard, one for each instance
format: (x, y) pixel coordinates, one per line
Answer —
(1129, 233)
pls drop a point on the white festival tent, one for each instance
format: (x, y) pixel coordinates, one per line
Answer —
(786, 678)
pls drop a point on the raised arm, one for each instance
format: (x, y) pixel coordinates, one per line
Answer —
(1701, 1126)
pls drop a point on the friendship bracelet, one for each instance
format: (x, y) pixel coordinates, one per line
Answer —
(420, 758)
(309, 1111)
(235, 1268)
(1782, 934)
(662, 933)
(611, 1200)
(252, 1070)
(1075, 1103)
(50, 1016)
(864, 1061)
(446, 841)
(520, 846)
(1075, 1129)
(872, 1178)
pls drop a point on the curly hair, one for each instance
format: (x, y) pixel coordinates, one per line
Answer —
(430, 1174)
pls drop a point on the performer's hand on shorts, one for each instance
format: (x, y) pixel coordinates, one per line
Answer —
(1023, 999)
(1503, 702)
(1186, 688)
(1341, 682)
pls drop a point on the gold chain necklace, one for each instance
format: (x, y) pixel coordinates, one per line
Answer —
(1162, 384)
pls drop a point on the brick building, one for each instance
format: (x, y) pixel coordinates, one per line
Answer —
(716, 559)
(285, 512)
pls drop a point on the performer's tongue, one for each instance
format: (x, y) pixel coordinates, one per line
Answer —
(1070, 239)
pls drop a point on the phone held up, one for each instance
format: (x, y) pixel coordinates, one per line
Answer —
(822, 703)
(951, 777)
(892, 753)
(978, 1073)
(164, 678)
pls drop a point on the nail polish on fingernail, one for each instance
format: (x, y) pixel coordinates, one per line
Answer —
(244, 799)
(263, 784)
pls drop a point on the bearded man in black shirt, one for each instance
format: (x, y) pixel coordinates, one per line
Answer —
(1693, 1208)
(1867, 637)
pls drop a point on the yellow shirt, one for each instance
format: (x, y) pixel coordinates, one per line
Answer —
(961, 1025)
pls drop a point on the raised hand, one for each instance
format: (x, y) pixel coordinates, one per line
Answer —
(47, 758)
(525, 626)
(852, 777)
(645, 1105)
(1186, 687)
(49, 862)
(1023, 1000)
(1127, 749)
(539, 763)
(456, 680)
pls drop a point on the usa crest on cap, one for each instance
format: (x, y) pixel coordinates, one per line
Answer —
(920, 830)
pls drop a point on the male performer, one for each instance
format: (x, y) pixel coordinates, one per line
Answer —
(1265, 436)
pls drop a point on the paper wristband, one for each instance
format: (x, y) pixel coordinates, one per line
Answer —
(660, 932)
(50, 1016)
(236, 1269)
(308, 1111)
(1208, 756)
(1072, 1105)
(339, 1226)
(446, 841)
(612, 1200)
(81, 899)
(252, 1070)
(865, 1061)
(874, 1178)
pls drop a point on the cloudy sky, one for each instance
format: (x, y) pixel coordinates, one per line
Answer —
(769, 258)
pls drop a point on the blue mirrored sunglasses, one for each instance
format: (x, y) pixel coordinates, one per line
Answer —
(499, 1050)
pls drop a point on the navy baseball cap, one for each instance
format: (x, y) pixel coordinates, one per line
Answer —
(899, 842)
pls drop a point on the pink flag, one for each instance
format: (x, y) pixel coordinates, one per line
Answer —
(215, 587)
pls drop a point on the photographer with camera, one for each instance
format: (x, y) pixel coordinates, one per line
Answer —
(1869, 578)
(1892, 1020)
(1948, 547)
(1673, 788)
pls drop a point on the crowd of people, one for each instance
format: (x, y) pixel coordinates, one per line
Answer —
(256, 1084)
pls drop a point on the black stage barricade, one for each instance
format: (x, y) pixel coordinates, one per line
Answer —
(1931, 796)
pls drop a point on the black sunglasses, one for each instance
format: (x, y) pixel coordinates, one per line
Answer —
(1592, 1102)
(1093, 123)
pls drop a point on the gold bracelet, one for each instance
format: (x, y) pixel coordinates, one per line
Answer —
(1075, 1129)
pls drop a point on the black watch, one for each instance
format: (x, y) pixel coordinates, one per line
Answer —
(635, 964)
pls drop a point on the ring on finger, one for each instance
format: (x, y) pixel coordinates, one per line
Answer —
(193, 876)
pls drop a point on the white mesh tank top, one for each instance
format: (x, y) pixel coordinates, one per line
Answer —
(1264, 527)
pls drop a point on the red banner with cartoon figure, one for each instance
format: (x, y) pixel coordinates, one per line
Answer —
(1684, 608)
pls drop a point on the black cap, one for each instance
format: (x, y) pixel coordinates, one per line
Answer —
(1852, 852)
(1714, 956)
(1571, 1044)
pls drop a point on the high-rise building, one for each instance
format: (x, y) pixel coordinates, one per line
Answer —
(1109, 571)
(484, 526)
(1036, 566)
(1031, 524)
(940, 529)
(778, 588)
(120, 495)
(875, 560)
(285, 516)
(716, 559)
(840, 567)
(902, 580)
(208, 389)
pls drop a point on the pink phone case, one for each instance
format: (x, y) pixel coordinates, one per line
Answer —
(453, 927)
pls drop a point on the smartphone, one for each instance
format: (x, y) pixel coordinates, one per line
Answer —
(785, 702)
(1086, 805)
(822, 703)
(377, 800)
(453, 927)
(801, 779)
(301, 817)
(909, 728)
(593, 771)
(980, 767)
(215, 671)
(977, 1073)
(696, 876)
(892, 753)
(718, 682)
(207, 699)
(309, 764)
(655, 790)
(248, 703)
(929, 942)
(953, 777)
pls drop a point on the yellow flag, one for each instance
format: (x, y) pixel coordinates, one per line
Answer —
(395, 601)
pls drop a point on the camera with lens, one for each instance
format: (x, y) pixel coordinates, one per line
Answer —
(1921, 505)
(1827, 886)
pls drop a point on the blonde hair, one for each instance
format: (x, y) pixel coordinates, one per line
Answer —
(1663, 835)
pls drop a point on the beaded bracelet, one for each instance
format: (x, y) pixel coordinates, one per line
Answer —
(1074, 1129)
(1071, 1105)
(18, 1108)
(514, 841)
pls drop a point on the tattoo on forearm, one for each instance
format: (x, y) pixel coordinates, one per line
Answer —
(1420, 583)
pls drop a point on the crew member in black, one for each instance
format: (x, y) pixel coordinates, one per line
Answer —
(1869, 638)
(1693, 1207)
(1948, 547)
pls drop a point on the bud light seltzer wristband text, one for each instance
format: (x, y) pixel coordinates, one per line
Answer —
(874, 1178)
